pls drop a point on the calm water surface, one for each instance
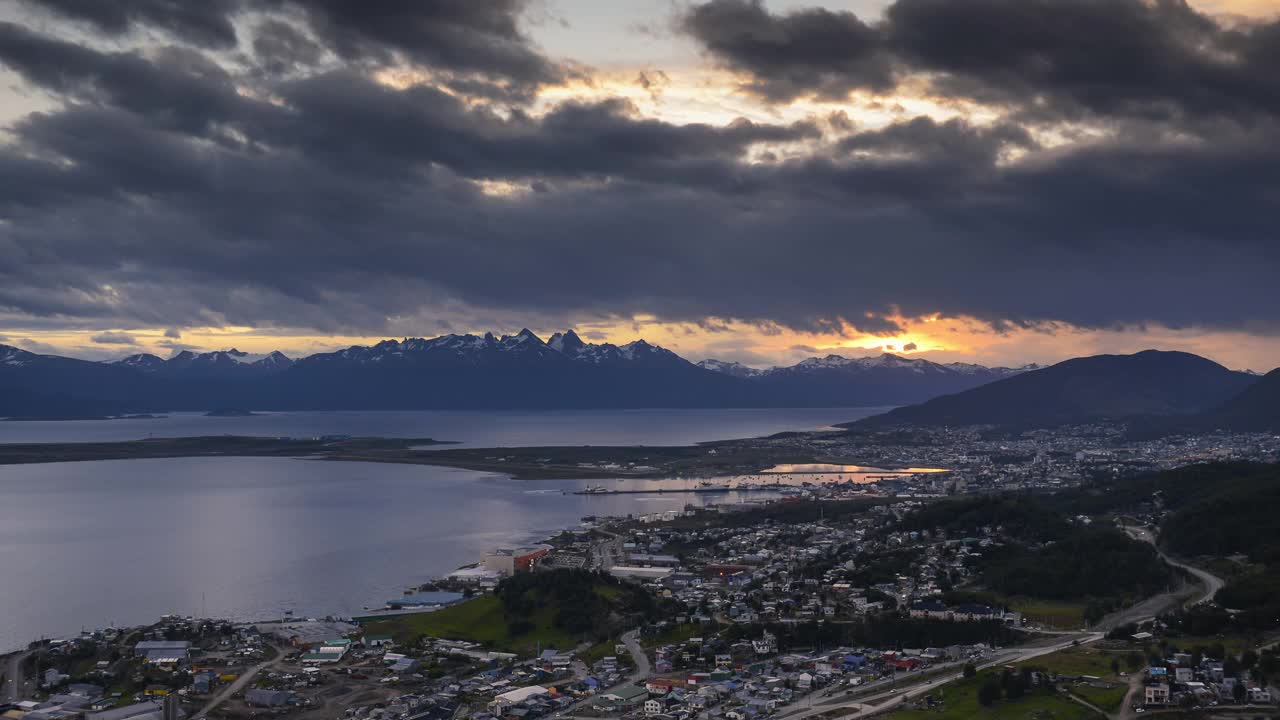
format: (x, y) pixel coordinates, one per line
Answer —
(474, 428)
(90, 544)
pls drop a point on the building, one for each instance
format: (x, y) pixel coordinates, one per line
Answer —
(766, 645)
(513, 697)
(620, 698)
(140, 711)
(509, 561)
(261, 697)
(1157, 695)
(426, 600)
(163, 652)
(329, 652)
(640, 573)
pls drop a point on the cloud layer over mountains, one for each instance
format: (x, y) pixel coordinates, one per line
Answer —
(334, 165)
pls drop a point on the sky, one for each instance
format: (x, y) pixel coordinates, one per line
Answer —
(995, 181)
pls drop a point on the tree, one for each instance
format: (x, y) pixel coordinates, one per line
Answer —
(1248, 659)
(989, 693)
(1115, 666)
(969, 670)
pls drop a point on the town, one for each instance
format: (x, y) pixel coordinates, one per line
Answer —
(934, 594)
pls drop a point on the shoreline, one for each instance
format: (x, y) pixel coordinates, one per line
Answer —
(724, 458)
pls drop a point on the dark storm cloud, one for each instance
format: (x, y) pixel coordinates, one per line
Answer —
(279, 48)
(200, 22)
(477, 46)
(169, 191)
(482, 38)
(1104, 56)
(807, 52)
(1156, 59)
(113, 338)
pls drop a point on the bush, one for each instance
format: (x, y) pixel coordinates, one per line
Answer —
(989, 693)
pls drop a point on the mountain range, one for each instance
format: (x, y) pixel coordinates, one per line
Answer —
(885, 379)
(1151, 384)
(464, 372)
(1169, 391)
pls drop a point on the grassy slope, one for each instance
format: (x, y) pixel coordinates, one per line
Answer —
(960, 702)
(479, 620)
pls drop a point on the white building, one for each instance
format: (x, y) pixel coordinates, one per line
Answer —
(513, 697)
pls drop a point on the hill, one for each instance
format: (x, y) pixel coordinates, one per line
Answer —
(1255, 409)
(1102, 387)
(553, 609)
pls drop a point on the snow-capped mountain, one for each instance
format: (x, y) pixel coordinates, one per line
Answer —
(885, 379)
(465, 371)
(15, 357)
(736, 369)
(488, 350)
(221, 364)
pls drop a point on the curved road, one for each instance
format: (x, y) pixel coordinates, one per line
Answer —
(1212, 583)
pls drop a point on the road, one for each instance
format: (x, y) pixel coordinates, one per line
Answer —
(14, 680)
(245, 678)
(1210, 582)
(908, 689)
(638, 656)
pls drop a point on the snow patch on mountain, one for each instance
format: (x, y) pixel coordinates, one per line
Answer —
(736, 369)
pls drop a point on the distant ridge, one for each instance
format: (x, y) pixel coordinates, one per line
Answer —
(885, 379)
(518, 371)
(1102, 387)
(1256, 409)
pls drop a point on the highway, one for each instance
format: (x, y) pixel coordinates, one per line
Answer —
(909, 689)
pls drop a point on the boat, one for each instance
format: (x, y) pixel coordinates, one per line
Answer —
(593, 490)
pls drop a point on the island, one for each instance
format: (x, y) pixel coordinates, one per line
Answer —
(231, 413)
(325, 447)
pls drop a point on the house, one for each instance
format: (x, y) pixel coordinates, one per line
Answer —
(654, 706)
(766, 645)
(1183, 675)
(662, 686)
(1259, 695)
(1157, 695)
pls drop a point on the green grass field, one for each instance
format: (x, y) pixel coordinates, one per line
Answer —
(960, 702)
(479, 620)
(1055, 614)
(1076, 661)
(1086, 660)
(676, 634)
(1108, 699)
